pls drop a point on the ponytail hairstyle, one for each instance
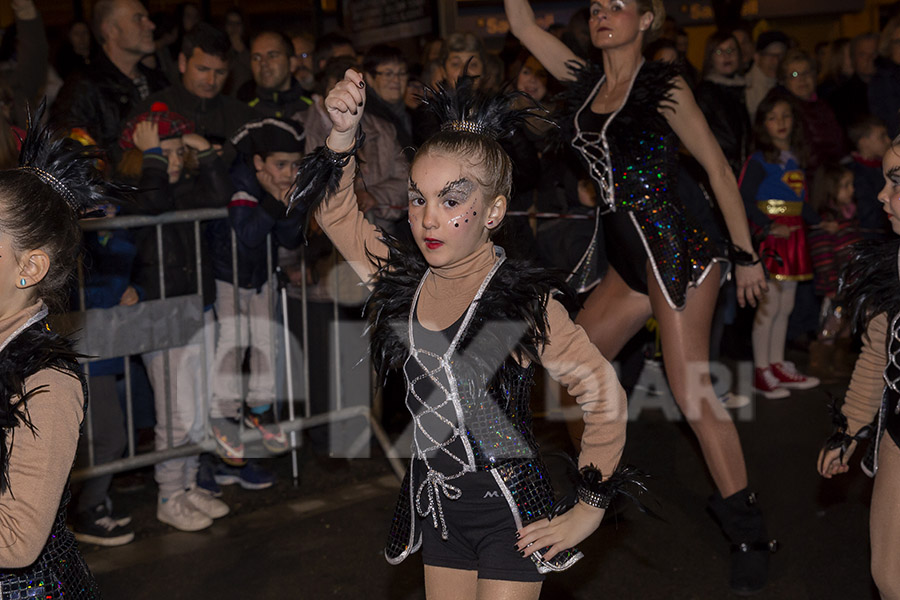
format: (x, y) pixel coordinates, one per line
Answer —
(56, 183)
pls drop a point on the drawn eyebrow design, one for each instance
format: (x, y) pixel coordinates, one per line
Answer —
(463, 184)
(894, 173)
(414, 188)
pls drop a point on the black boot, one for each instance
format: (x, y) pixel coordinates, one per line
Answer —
(743, 525)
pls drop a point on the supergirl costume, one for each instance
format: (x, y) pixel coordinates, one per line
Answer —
(35, 365)
(468, 390)
(776, 193)
(631, 155)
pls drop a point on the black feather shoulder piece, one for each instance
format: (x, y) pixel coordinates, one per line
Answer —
(518, 294)
(464, 108)
(870, 284)
(68, 167)
(31, 351)
(651, 91)
(388, 306)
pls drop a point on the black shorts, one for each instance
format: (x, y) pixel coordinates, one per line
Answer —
(482, 534)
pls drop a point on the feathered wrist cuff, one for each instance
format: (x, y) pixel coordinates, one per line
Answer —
(839, 437)
(318, 177)
(741, 257)
(593, 491)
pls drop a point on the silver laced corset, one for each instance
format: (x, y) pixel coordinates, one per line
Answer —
(439, 425)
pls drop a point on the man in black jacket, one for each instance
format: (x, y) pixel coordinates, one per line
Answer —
(274, 92)
(203, 63)
(99, 99)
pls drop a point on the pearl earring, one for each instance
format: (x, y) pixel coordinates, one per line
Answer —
(22, 282)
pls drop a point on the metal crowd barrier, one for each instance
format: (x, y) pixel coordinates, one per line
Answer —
(171, 322)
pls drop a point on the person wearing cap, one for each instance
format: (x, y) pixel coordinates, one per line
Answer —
(271, 150)
(763, 75)
(204, 66)
(161, 150)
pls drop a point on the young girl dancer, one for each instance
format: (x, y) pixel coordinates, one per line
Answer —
(628, 118)
(774, 189)
(466, 326)
(42, 391)
(874, 392)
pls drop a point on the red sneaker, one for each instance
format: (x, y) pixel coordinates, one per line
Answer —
(767, 384)
(789, 377)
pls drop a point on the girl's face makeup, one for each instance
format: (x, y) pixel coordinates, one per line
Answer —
(890, 193)
(447, 213)
(779, 124)
(613, 22)
(845, 190)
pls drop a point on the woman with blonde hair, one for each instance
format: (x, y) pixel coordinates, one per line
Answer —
(629, 116)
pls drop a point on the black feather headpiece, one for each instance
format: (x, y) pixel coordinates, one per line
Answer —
(465, 108)
(67, 166)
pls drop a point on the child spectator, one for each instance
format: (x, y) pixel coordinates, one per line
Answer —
(773, 186)
(166, 142)
(870, 141)
(833, 199)
(109, 261)
(272, 150)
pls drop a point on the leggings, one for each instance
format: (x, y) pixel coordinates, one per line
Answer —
(884, 521)
(771, 323)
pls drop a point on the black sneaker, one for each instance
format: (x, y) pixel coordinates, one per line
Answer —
(97, 526)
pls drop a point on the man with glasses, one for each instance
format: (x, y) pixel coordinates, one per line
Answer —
(762, 76)
(388, 128)
(274, 92)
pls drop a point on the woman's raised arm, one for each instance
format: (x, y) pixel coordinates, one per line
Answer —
(691, 127)
(545, 47)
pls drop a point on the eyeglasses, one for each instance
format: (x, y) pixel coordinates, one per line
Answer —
(392, 74)
(304, 55)
(799, 74)
(271, 55)
(725, 51)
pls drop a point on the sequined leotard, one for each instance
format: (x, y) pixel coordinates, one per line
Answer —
(631, 156)
(484, 374)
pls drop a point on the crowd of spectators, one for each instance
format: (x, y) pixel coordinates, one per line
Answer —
(213, 115)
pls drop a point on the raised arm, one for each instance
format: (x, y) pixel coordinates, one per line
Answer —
(339, 216)
(690, 125)
(549, 50)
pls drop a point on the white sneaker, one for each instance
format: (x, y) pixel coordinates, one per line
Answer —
(732, 400)
(206, 503)
(180, 513)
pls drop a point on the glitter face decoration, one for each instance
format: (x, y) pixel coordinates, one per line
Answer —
(890, 194)
(446, 210)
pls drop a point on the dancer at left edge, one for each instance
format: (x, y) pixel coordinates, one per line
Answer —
(44, 396)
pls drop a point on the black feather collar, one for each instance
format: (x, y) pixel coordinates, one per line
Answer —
(870, 284)
(29, 350)
(518, 292)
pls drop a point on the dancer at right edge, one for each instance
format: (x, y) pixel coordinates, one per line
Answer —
(628, 117)
(872, 288)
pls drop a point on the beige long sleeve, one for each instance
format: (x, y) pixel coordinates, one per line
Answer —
(39, 467)
(572, 360)
(863, 397)
(347, 228)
